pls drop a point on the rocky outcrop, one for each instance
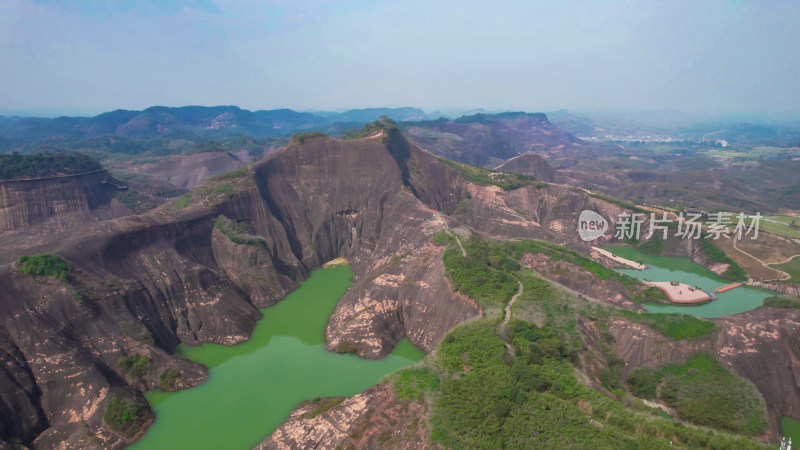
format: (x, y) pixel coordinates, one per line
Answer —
(375, 418)
(783, 288)
(580, 280)
(58, 203)
(759, 345)
(188, 171)
(490, 139)
(143, 284)
(529, 164)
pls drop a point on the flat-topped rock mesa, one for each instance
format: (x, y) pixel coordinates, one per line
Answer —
(59, 202)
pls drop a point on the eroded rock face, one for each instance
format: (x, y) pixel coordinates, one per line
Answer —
(57, 203)
(529, 164)
(172, 278)
(375, 418)
(760, 345)
(188, 171)
(580, 280)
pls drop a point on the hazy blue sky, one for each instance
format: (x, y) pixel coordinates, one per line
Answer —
(694, 56)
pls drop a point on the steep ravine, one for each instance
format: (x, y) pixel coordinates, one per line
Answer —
(170, 275)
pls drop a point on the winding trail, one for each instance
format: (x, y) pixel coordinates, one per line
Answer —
(508, 317)
(458, 241)
(786, 276)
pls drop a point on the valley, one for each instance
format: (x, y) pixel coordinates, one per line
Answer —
(196, 296)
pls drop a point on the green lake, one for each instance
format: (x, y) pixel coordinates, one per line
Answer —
(684, 270)
(253, 386)
(791, 429)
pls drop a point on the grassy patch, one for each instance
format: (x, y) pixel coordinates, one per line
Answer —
(301, 137)
(137, 331)
(485, 274)
(236, 173)
(411, 383)
(135, 365)
(125, 416)
(655, 246)
(442, 238)
(183, 201)
(168, 378)
(623, 203)
(322, 405)
(236, 232)
(782, 302)
(702, 391)
(651, 294)
(44, 264)
(504, 180)
(715, 255)
(558, 252)
(791, 267)
(676, 326)
(347, 347)
(486, 399)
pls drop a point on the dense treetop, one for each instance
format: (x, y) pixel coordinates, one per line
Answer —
(36, 165)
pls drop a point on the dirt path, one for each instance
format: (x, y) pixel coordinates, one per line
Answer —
(458, 241)
(508, 318)
(786, 276)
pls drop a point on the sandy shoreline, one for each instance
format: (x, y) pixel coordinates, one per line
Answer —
(619, 259)
(680, 292)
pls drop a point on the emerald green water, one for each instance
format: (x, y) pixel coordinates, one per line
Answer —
(684, 270)
(791, 428)
(252, 387)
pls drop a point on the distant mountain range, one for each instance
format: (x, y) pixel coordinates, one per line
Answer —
(210, 122)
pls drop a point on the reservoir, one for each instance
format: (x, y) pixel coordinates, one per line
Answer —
(253, 386)
(684, 270)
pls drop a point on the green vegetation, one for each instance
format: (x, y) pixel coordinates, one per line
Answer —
(137, 331)
(382, 123)
(37, 165)
(236, 231)
(442, 238)
(135, 365)
(204, 192)
(702, 391)
(183, 201)
(322, 405)
(412, 383)
(676, 326)
(44, 264)
(715, 255)
(168, 378)
(623, 203)
(347, 347)
(505, 180)
(78, 297)
(135, 201)
(654, 246)
(558, 252)
(125, 416)
(486, 399)
(301, 137)
(236, 173)
(651, 294)
(485, 274)
(791, 267)
(782, 302)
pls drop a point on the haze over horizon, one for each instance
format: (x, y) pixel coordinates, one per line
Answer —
(717, 57)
